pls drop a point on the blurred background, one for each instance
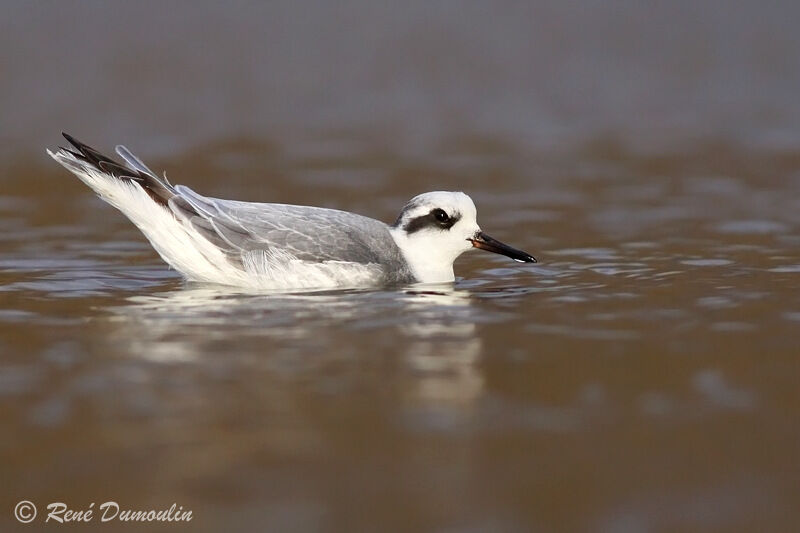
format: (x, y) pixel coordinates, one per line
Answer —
(548, 75)
(641, 377)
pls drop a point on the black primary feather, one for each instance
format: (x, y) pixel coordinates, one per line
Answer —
(159, 191)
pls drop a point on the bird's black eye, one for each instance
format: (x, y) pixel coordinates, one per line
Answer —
(440, 215)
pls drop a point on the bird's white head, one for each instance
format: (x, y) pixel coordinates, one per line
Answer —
(434, 228)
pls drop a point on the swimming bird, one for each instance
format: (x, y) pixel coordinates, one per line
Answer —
(279, 246)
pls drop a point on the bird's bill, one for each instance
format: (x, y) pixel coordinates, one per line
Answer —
(484, 242)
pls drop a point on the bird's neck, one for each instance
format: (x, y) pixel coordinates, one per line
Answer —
(425, 261)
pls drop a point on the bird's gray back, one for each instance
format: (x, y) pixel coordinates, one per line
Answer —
(312, 234)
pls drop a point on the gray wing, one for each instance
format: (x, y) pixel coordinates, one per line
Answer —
(308, 233)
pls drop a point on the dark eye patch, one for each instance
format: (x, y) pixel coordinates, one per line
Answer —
(434, 219)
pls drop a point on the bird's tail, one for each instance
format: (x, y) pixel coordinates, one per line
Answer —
(147, 201)
(100, 172)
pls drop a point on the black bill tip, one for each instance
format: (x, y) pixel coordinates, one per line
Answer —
(484, 242)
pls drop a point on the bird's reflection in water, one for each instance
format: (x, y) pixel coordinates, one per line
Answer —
(443, 350)
(430, 332)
